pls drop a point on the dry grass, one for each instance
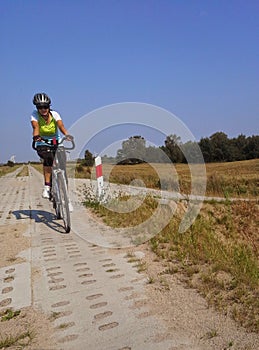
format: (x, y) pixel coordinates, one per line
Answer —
(6, 169)
(239, 179)
(116, 218)
(147, 173)
(235, 179)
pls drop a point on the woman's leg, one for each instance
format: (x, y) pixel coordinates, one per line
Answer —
(47, 174)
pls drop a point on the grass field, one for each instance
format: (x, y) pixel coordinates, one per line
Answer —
(235, 179)
(5, 169)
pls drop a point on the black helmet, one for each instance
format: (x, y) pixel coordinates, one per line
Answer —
(41, 98)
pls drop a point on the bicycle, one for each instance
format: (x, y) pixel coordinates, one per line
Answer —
(59, 193)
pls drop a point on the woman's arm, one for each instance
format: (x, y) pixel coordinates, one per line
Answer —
(35, 127)
(62, 127)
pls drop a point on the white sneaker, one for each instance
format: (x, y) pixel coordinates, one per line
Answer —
(70, 206)
(46, 192)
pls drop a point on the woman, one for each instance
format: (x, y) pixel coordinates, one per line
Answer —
(46, 125)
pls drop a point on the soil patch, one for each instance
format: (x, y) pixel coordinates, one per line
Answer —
(13, 241)
(30, 330)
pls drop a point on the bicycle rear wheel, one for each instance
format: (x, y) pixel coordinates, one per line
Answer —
(64, 208)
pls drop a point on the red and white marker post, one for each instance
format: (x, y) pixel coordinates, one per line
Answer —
(99, 175)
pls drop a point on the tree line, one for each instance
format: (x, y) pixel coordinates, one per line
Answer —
(219, 148)
(216, 148)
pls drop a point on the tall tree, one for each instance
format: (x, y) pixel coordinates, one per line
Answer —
(237, 146)
(192, 153)
(156, 155)
(206, 149)
(172, 148)
(89, 159)
(252, 147)
(133, 148)
(220, 147)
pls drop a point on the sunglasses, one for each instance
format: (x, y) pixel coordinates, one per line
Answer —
(43, 107)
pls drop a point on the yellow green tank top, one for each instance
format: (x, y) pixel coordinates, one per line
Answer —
(47, 129)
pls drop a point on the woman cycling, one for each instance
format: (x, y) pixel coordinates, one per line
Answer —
(46, 125)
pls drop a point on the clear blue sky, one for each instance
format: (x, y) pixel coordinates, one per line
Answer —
(198, 59)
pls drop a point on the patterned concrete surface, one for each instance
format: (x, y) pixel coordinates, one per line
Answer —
(94, 295)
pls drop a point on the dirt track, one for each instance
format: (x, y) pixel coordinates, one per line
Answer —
(93, 297)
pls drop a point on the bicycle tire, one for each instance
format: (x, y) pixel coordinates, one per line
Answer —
(64, 208)
(56, 197)
(57, 209)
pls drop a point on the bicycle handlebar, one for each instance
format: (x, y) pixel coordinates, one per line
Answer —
(55, 146)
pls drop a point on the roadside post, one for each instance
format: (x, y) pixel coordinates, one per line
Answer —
(99, 176)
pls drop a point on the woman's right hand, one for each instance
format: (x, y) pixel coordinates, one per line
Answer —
(36, 138)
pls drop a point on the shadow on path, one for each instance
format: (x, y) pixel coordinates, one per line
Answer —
(40, 216)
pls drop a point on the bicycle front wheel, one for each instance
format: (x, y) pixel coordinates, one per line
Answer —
(56, 197)
(64, 208)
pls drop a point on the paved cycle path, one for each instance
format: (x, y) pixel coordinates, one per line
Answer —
(94, 295)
